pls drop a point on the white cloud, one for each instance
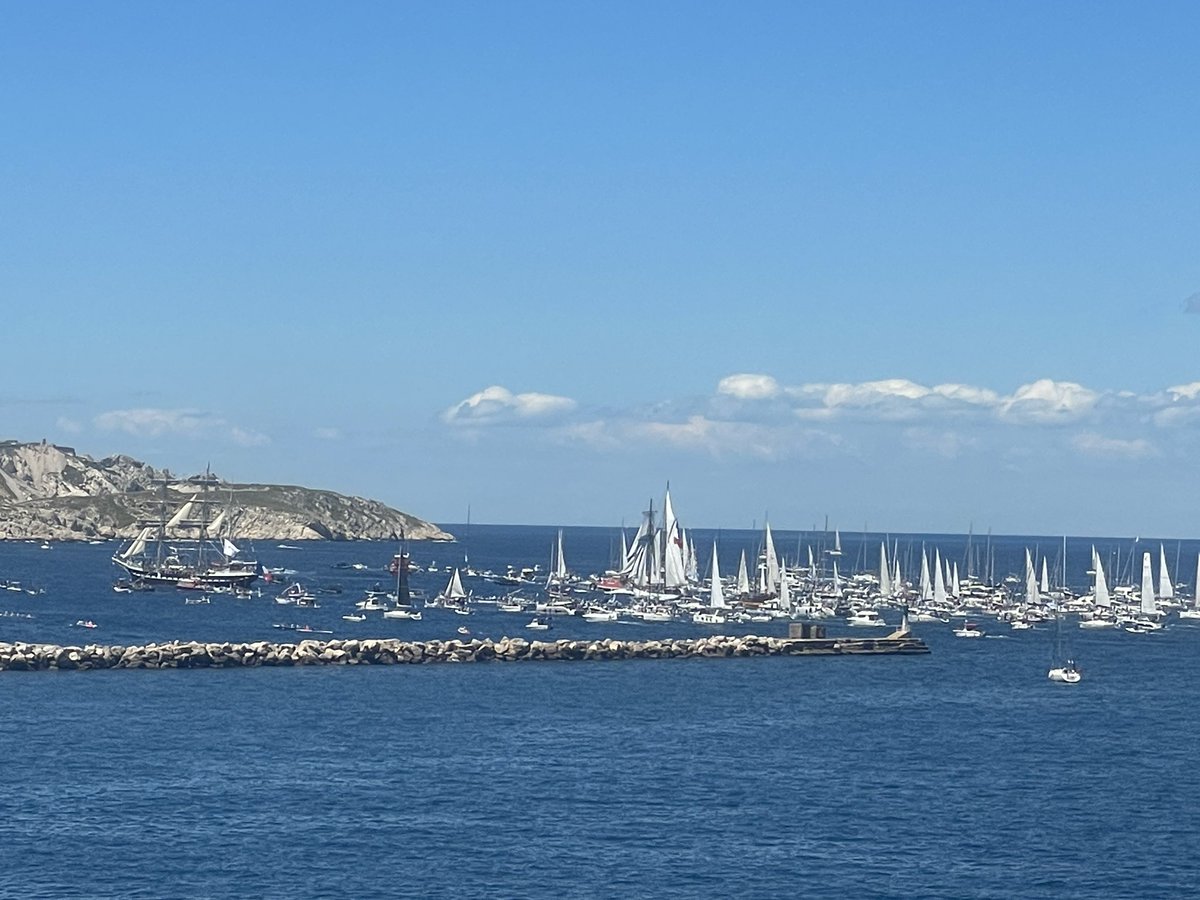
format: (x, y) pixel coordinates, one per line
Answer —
(497, 405)
(245, 437)
(702, 434)
(155, 422)
(70, 426)
(748, 387)
(190, 423)
(1121, 448)
(1046, 401)
(327, 434)
(1185, 391)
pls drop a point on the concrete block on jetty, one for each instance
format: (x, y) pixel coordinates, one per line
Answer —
(193, 655)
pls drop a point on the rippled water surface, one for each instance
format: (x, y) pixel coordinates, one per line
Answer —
(963, 773)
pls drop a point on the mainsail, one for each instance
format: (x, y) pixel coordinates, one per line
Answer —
(716, 595)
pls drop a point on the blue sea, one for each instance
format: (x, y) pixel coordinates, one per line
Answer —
(964, 773)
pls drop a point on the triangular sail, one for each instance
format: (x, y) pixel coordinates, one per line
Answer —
(785, 595)
(743, 578)
(674, 574)
(560, 561)
(955, 586)
(454, 589)
(716, 594)
(1045, 585)
(1148, 605)
(1196, 586)
(1032, 597)
(1165, 589)
(939, 582)
(926, 584)
(139, 544)
(770, 573)
(183, 514)
(1103, 600)
(885, 575)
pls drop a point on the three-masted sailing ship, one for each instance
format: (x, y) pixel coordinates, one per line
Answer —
(193, 548)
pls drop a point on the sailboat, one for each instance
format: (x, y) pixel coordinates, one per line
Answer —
(715, 614)
(1062, 669)
(1102, 615)
(1145, 621)
(453, 596)
(1194, 611)
(403, 608)
(189, 549)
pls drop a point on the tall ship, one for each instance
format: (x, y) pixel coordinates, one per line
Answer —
(192, 548)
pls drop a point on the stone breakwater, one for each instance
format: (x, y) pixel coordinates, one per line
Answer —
(194, 655)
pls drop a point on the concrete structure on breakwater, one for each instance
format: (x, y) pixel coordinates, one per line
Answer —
(191, 655)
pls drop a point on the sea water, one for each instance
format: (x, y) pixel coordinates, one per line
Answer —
(962, 773)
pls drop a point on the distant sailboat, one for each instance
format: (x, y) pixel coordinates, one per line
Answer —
(743, 578)
(1062, 668)
(1166, 590)
(715, 614)
(1194, 611)
(885, 575)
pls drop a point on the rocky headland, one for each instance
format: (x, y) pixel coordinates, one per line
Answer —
(48, 492)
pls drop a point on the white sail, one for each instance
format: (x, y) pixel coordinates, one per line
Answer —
(454, 588)
(769, 578)
(812, 565)
(1032, 597)
(785, 596)
(139, 544)
(1165, 589)
(1045, 585)
(837, 582)
(885, 575)
(560, 561)
(1196, 586)
(674, 574)
(229, 548)
(897, 581)
(1103, 600)
(926, 584)
(1148, 605)
(743, 578)
(955, 586)
(183, 514)
(939, 582)
(214, 527)
(716, 595)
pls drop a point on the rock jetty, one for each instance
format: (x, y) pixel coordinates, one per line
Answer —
(193, 655)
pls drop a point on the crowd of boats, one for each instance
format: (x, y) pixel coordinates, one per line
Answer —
(657, 578)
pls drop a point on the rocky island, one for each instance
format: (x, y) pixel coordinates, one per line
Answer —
(48, 492)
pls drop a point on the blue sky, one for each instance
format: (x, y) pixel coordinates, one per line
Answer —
(910, 266)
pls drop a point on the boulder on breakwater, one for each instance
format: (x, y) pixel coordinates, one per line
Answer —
(193, 654)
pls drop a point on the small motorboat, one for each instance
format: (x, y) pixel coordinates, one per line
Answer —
(403, 612)
(866, 618)
(85, 623)
(969, 630)
(540, 623)
(463, 629)
(596, 614)
(355, 617)
(196, 601)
